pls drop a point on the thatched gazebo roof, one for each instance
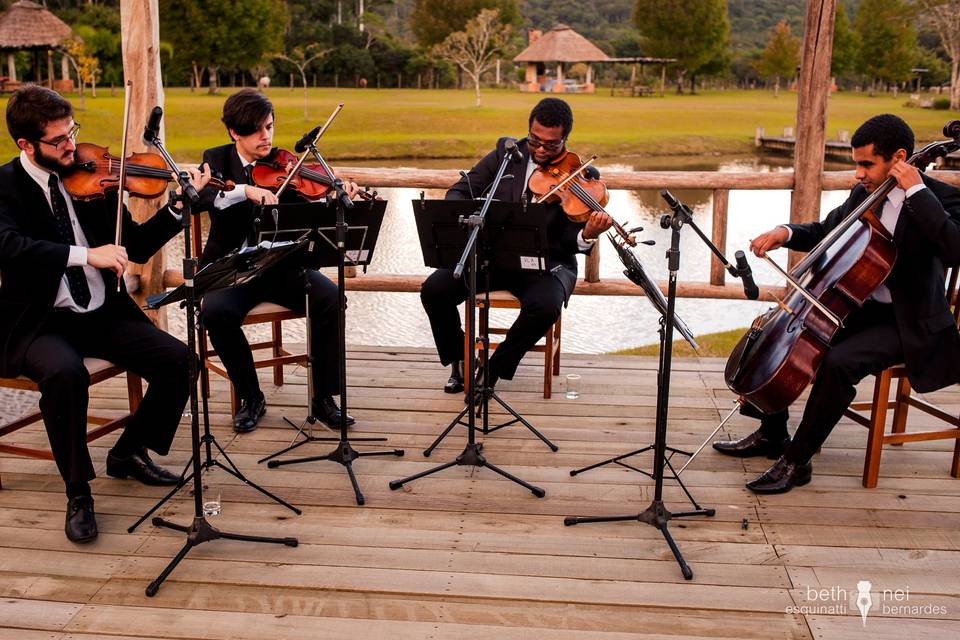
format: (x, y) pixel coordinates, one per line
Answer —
(562, 44)
(28, 25)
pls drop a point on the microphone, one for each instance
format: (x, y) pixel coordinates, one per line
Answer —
(672, 202)
(750, 288)
(306, 140)
(152, 131)
(510, 146)
(952, 129)
(463, 174)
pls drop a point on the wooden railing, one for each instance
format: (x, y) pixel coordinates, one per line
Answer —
(718, 182)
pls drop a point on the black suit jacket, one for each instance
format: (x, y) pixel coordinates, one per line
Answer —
(33, 257)
(228, 227)
(562, 233)
(927, 237)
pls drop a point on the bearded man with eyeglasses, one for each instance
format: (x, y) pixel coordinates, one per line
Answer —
(541, 295)
(60, 303)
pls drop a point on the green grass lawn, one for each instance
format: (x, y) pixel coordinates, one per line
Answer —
(409, 123)
(712, 345)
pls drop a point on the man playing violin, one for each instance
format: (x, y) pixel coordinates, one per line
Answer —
(59, 304)
(249, 119)
(541, 295)
(907, 318)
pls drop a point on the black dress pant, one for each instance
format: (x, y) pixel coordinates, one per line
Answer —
(867, 344)
(54, 360)
(541, 298)
(225, 309)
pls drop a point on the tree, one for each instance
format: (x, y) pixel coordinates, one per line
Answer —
(944, 17)
(888, 40)
(301, 57)
(475, 49)
(433, 20)
(86, 66)
(845, 44)
(695, 32)
(223, 33)
(781, 55)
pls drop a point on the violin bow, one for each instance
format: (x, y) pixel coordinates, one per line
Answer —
(128, 89)
(296, 168)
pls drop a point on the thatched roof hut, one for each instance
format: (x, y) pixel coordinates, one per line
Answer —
(560, 44)
(30, 26)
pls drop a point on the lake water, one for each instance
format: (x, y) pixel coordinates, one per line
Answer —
(593, 324)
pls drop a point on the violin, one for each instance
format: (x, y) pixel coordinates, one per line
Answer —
(96, 172)
(565, 180)
(312, 182)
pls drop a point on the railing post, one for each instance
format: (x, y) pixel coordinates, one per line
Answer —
(591, 270)
(721, 201)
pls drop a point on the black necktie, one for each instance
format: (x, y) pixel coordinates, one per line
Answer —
(248, 173)
(76, 278)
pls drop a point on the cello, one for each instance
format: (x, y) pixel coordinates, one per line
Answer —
(779, 356)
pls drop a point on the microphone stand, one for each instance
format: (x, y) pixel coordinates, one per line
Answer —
(657, 514)
(344, 454)
(471, 455)
(200, 530)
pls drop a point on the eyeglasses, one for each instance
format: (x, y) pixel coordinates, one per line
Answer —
(58, 142)
(535, 143)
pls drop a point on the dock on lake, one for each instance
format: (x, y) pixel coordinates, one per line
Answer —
(467, 554)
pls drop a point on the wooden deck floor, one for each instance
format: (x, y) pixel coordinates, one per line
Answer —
(467, 554)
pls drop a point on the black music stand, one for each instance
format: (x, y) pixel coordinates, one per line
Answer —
(510, 236)
(331, 242)
(199, 530)
(233, 269)
(656, 514)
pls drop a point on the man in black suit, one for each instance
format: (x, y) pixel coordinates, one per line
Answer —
(907, 318)
(249, 119)
(59, 304)
(541, 295)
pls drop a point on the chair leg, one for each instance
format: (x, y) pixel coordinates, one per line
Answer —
(134, 391)
(548, 364)
(900, 408)
(277, 331)
(878, 421)
(954, 468)
(234, 400)
(556, 353)
(204, 372)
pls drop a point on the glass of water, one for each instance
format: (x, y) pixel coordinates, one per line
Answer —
(573, 386)
(212, 505)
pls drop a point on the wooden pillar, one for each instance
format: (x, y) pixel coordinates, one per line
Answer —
(12, 66)
(721, 201)
(140, 36)
(663, 78)
(64, 68)
(813, 90)
(50, 76)
(591, 266)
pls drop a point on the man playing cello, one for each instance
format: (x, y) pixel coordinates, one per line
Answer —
(906, 319)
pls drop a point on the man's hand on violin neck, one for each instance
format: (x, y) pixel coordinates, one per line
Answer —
(258, 195)
(769, 241)
(199, 177)
(351, 188)
(905, 174)
(108, 256)
(597, 223)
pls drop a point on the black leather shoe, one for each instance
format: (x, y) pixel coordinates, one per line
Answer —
(326, 411)
(755, 444)
(140, 467)
(81, 522)
(455, 382)
(781, 477)
(249, 415)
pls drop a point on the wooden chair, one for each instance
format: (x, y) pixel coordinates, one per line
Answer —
(99, 370)
(265, 312)
(903, 399)
(550, 348)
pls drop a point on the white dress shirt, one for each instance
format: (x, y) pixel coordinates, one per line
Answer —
(78, 252)
(889, 215)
